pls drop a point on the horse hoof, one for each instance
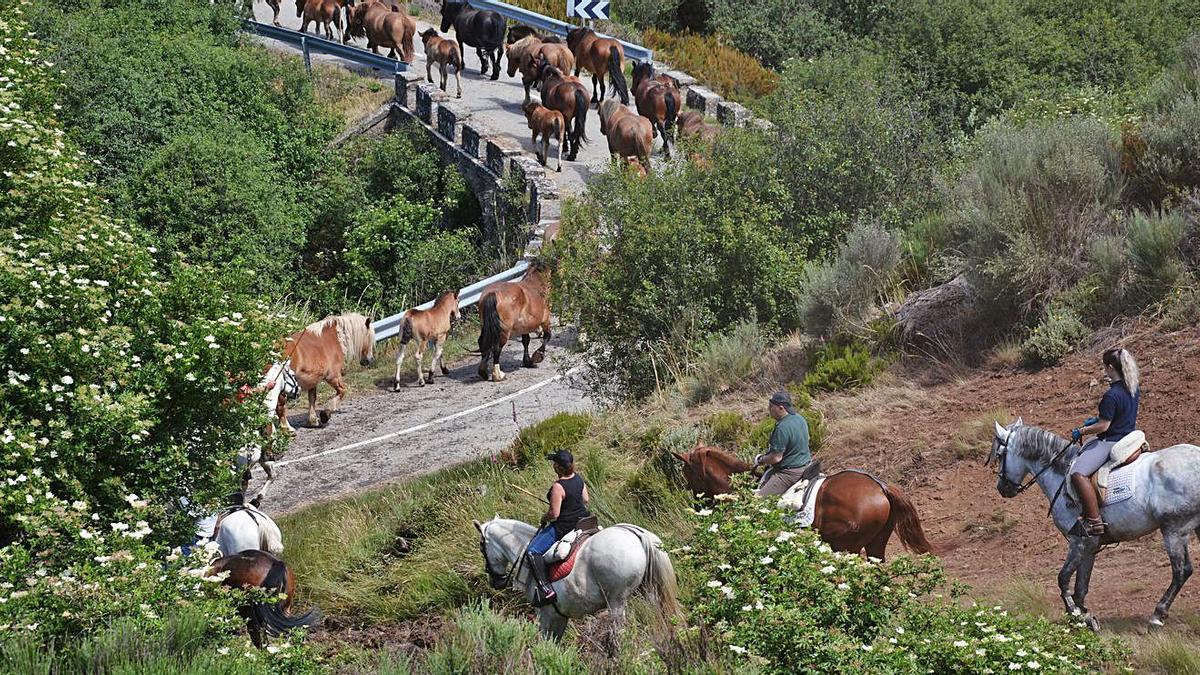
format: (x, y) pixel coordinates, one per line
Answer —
(1156, 622)
(324, 417)
(445, 370)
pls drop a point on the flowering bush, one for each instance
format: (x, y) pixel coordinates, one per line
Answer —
(782, 599)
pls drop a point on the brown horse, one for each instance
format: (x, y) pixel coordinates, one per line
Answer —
(548, 124)
(445, 53)
(692, 124)
(382, 27)
(423, 325)
(628, 134)
(569, 96)
(323, 12)
(259, 569)
(526, 53)
(854, 511)
(514, 308)
(658, 99)
(600, 56)
(319, 353)
(275, 7)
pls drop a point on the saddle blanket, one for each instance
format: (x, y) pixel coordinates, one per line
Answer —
(1122, 485)
(562, 568)
(802, 498)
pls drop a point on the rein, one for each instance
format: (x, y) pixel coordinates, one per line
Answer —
(1028, 484)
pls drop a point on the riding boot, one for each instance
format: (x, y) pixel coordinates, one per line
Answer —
(543, 593)
(1092, 525)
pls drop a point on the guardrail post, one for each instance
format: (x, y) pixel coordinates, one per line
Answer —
(307, 56)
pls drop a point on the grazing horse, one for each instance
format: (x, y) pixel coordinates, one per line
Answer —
(853, 511)
(549, 124)
(600, 56)
(382, 27)
(259, 569)
(323, 12)
(445, 53)
(628, 134)
(609, 568)
(527, 53)
(658, 99)
(569, 96)
(514, 308)
(243, 528)
(1165, 487)
(483, 30)
(692, 124)
(319, 353)
(422, 325)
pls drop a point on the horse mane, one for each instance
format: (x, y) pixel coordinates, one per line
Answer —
(352, 331)
(730, 461)
(1041, 445)
(524, 42)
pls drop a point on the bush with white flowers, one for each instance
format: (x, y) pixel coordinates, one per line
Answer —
(783, 600)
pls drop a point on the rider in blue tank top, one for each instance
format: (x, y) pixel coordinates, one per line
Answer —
(1117, 418)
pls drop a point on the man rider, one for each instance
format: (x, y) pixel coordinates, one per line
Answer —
(568, 497)
(788, 453)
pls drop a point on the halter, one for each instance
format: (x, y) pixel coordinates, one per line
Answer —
(1005, 480)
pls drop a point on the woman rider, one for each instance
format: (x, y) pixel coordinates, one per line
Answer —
(1118, 417)
(568, 497)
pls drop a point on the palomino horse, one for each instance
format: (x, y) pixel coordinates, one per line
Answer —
(319, 353)
(628, 134)
(259, 569)
(609, 568)
(1166, 487)
(514, 308)
(600, 56)
(382, 27)
(569, 96)
(658, 100)
(422, 325)
(854, 510)
(323, 12)
(243, 528)
(526, 53)
(445, 53)
(548, 124)
(481, 29)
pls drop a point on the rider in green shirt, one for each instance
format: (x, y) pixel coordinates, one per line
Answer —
(788, 453)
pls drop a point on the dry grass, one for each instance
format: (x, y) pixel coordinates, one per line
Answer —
(1004, 356)
(998, 523)
(889, 397)
(974, 436)
(857, 430)
(731, 73)
(348, 95)
(1030, 597)
(1166, 653)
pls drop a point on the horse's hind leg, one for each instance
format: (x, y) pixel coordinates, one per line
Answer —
(483, 60)
(496, 63)
(399, 362)
(877, 547)
(540, 354)
(312, 407)
(420, 350)
(526, 362)
(331, 407)
(1176, 544)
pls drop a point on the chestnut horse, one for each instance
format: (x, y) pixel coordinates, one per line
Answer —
(658, 100)
(854, 510)
(319, 353)
(548, 124)
(445, 53)
(382, 27)
(569, 96)
(692, 124)
(628, 134)
(323, 12)
(600, 56)
(526, 53)
(423, 325)
(259, 569)
(514, 308)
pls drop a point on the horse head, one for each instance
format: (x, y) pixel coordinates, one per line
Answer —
(707, 470)
(450, 11)
(366, 355)
(642, 70)
(576, 35)
(545, 70)
(452, 298)
(1011, 465)
(497, 560)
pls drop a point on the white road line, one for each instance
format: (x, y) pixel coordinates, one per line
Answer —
(426, 425)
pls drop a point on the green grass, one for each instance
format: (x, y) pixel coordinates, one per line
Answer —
(464, 338)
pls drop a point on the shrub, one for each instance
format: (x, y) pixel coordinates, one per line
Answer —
(774, 31)
(726, 70)
(1053, 338)
(1154, 253)
(564, 430)
(482, 641)
(723, 361)
(727, 428)
(760, 434)
(782, 601)
(653, 493)
(836, 296)
(838, 367)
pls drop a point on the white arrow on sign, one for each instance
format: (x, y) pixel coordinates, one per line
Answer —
(588, 9)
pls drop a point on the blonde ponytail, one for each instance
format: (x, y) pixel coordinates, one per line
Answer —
(1129, 371)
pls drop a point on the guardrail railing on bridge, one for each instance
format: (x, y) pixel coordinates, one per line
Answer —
(545, 23)
(390, 326)
(313, 43)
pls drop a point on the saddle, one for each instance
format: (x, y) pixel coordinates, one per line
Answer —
(560, 559)
(1125, 452)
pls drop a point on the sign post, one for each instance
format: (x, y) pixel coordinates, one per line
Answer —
(588, 9)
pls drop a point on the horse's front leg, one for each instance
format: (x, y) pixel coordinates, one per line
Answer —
(594, 89)
(428, 69)
(438, 360)
(526, 362)
(1181, 568)
(420, 360)
(552, 624)
(483, 60)
(1074, 556)
(274, 11)
(1083, 578)
(540, 354)
(331, 407)
(496, 63)
(312, 407)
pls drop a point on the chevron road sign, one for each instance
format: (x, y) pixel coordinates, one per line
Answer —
(588, 9)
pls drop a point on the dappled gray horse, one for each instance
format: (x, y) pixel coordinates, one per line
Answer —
(1166, 486)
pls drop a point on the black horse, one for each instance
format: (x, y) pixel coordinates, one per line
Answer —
(483, 30)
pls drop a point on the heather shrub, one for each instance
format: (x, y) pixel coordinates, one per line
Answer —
(837, 295)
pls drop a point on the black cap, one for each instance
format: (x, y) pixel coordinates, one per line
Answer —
(782, 399)
(562, 457)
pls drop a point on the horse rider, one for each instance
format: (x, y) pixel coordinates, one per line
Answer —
(568, 498)
(1117, 418)
(788, 454)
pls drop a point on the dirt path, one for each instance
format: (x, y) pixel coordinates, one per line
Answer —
(381, 436)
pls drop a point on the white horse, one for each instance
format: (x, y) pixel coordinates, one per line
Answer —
(609, 568)
(243, 528)
(1166, 497)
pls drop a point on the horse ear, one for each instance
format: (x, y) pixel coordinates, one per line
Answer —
(679, 457)
(478, 526)
(1001, 432)
(1020, 421)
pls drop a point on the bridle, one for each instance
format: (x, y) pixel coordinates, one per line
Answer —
(498, 580)
(1002, 453)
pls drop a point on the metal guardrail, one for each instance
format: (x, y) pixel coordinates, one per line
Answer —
(545, 23)
(313, 43)
(390, 326)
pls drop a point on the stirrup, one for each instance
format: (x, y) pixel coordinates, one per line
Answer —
(544, 595)
(1093, 527)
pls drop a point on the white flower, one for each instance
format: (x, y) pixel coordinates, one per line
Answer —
(828, 569)
(960, 643)
(980, 652)
(67, 379)
(867, 648)
(737, 650)
(724, 566)
(727, 591)
(1014, 666)
(190, 377)
(715, 584)
(223, 651)
(272, 649)
(85, 534)
(843, 586)
(119, 527)
(727, 497)
(712, 528)
(210, 338)
(900, 630)
(704, 512)
(746, 608)
(784, 536)
(1033, 665)
(766, 560)
(1022, 652)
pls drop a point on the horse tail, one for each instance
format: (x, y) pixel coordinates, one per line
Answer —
(904, 518)
(406, 330)
(671, 116)
(490, 327)
(270, 615)
(658, 583)
(616, 74)
(581, 110)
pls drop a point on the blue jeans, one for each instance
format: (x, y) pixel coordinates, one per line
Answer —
(543, 540)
